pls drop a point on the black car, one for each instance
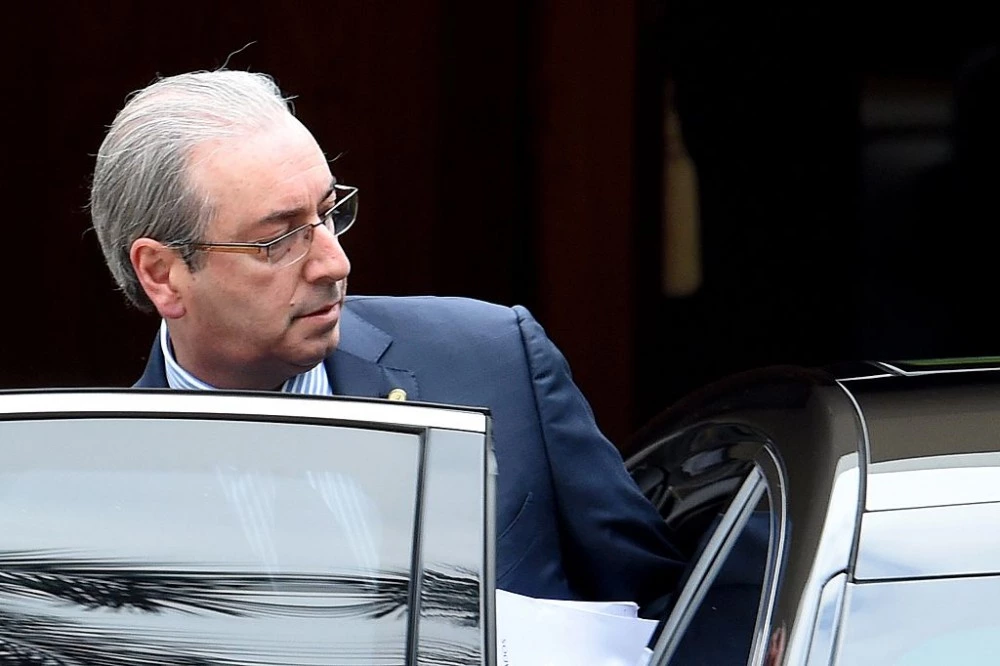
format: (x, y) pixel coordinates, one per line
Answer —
(834, 517)
(842, 516)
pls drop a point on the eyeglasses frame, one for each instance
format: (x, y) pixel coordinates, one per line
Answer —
(344, 194)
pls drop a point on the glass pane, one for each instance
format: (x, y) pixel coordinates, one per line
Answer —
(204, 542)
(451, 627)
(922, 623)
(721, 632)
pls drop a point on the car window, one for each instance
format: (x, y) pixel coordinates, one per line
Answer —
(185, 541)
(922, 622)
(716, 613)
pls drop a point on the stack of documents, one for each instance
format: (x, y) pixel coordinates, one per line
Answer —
(547, 632)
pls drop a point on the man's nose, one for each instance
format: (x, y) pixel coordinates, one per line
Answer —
(326, 259)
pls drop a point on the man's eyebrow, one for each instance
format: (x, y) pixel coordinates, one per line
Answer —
(293, 213)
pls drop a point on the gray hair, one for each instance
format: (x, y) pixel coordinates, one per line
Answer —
(141, 186)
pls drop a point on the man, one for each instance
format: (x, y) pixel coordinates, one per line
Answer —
(216, 209)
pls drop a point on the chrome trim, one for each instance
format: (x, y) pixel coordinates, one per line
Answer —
(891, 368)
(864, 461)
(865, 443)
(417, 558)
(826, 628)
(487, 603)
(933, 541)
(706, 568)
(832, 555)
(770, 467)
(856, 379)
(836, 544)
(913, 483)
(941, 371)
(70, 404)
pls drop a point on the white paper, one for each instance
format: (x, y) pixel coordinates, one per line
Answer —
(546, 632)
(621, 608)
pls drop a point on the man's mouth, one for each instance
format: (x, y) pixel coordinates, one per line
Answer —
(327, 310)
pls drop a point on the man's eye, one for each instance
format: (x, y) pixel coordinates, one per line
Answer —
(274, 237)
(283, 247)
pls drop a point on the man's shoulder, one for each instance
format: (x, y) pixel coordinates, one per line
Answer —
(433, 310)
(435, 335)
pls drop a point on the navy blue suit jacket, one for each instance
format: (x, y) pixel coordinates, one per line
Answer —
(571, 523)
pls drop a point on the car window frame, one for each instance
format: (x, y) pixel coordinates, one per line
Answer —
(764, 477)
(421, 419)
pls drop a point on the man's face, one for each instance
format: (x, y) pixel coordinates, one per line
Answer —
(246, 324)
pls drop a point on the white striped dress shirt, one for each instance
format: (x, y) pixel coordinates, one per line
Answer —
(311, 382)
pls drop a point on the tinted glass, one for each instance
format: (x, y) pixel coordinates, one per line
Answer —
(204, 542)
(452, 548)
(922, 623)
(722, 629)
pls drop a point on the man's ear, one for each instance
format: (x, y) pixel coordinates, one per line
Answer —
(159, 270)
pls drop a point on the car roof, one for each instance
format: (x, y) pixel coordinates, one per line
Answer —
(920, 409)
(907, 415)
(913, 367)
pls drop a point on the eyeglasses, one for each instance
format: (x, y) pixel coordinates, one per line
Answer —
(290, 247)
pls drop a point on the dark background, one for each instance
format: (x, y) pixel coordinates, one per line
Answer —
(845, 154)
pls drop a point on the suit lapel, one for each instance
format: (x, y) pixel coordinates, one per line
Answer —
(155, 374)
(355, 368)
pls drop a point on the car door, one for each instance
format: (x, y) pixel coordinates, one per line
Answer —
(214, 529)
(758, 480)
(729, 516)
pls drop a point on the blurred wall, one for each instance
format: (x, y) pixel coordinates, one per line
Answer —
(491, 145)
(516, 153)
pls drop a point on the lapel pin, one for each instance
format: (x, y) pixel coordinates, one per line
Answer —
(397, 394)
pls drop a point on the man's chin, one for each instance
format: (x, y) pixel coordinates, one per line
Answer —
(318, 350)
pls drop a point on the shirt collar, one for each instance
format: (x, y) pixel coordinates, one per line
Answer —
(311, 382)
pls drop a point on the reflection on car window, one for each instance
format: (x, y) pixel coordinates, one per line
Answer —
(922, 622)
(722, 628)
(205, 542)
